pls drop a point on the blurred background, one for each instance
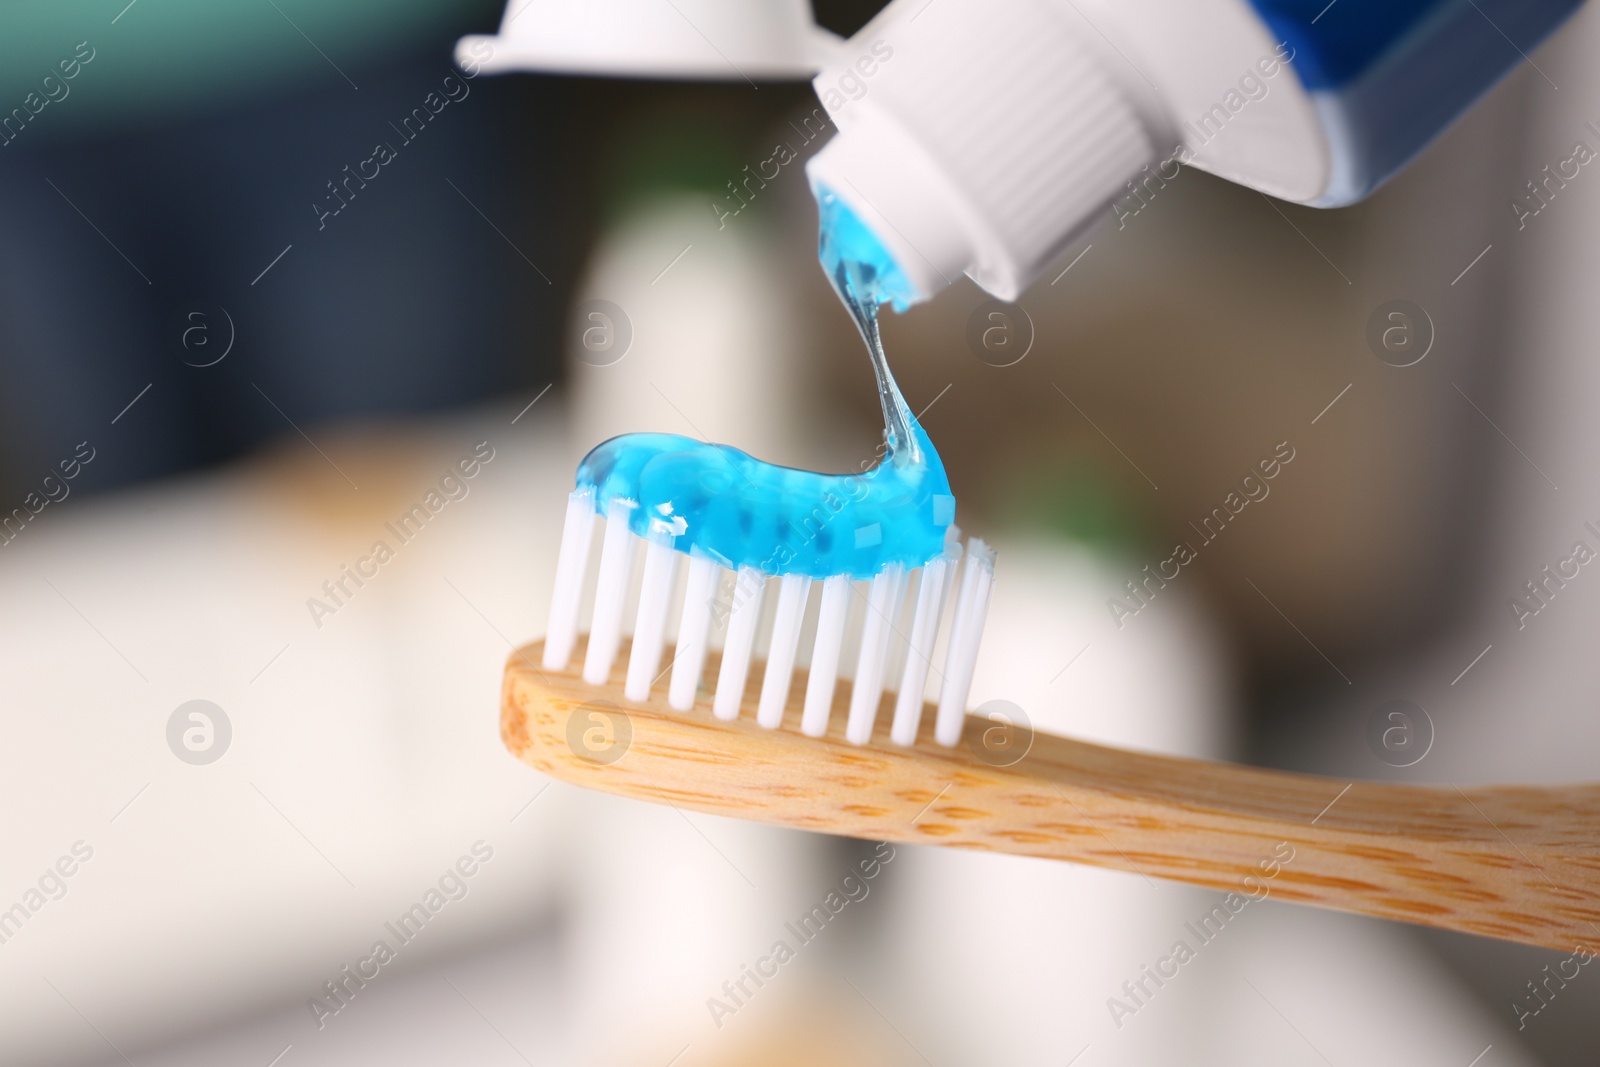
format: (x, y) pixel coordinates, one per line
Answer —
(228, 360)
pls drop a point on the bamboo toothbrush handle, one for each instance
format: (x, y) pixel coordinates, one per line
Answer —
(1520, 863)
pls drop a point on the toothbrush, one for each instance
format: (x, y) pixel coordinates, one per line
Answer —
(1516, 863)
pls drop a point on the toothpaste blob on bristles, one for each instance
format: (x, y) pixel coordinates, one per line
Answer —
(743, 512)
(728, 511)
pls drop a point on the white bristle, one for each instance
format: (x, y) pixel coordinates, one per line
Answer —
(953, 551)
(689, 659)
(793, 592)
(894, 660)
(883, 608)
(611, 592)
(660, 569)
(831, 617)
(738, 644)
(919, 655)
(572, 566)
(877, 659)
(972, 608)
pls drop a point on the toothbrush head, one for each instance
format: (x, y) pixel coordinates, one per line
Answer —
(893, 625)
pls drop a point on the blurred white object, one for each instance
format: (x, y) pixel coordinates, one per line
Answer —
(671, 905)
(1162, 682)
(364, 759)
(1290, 984)
(702, 39)
(1520, 691)
(1051, 944)
(1058, 932)
(682, 327)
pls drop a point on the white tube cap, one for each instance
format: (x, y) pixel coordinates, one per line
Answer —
(986, 138)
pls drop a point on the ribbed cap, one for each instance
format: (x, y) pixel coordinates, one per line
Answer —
(990, 136)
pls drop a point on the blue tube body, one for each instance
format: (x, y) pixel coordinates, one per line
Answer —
(1388, 75)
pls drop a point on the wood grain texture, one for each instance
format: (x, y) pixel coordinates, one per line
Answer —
(1520, 863)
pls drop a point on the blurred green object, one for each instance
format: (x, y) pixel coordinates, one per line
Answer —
(1072, 497)
(162, 59)
(668, 156)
